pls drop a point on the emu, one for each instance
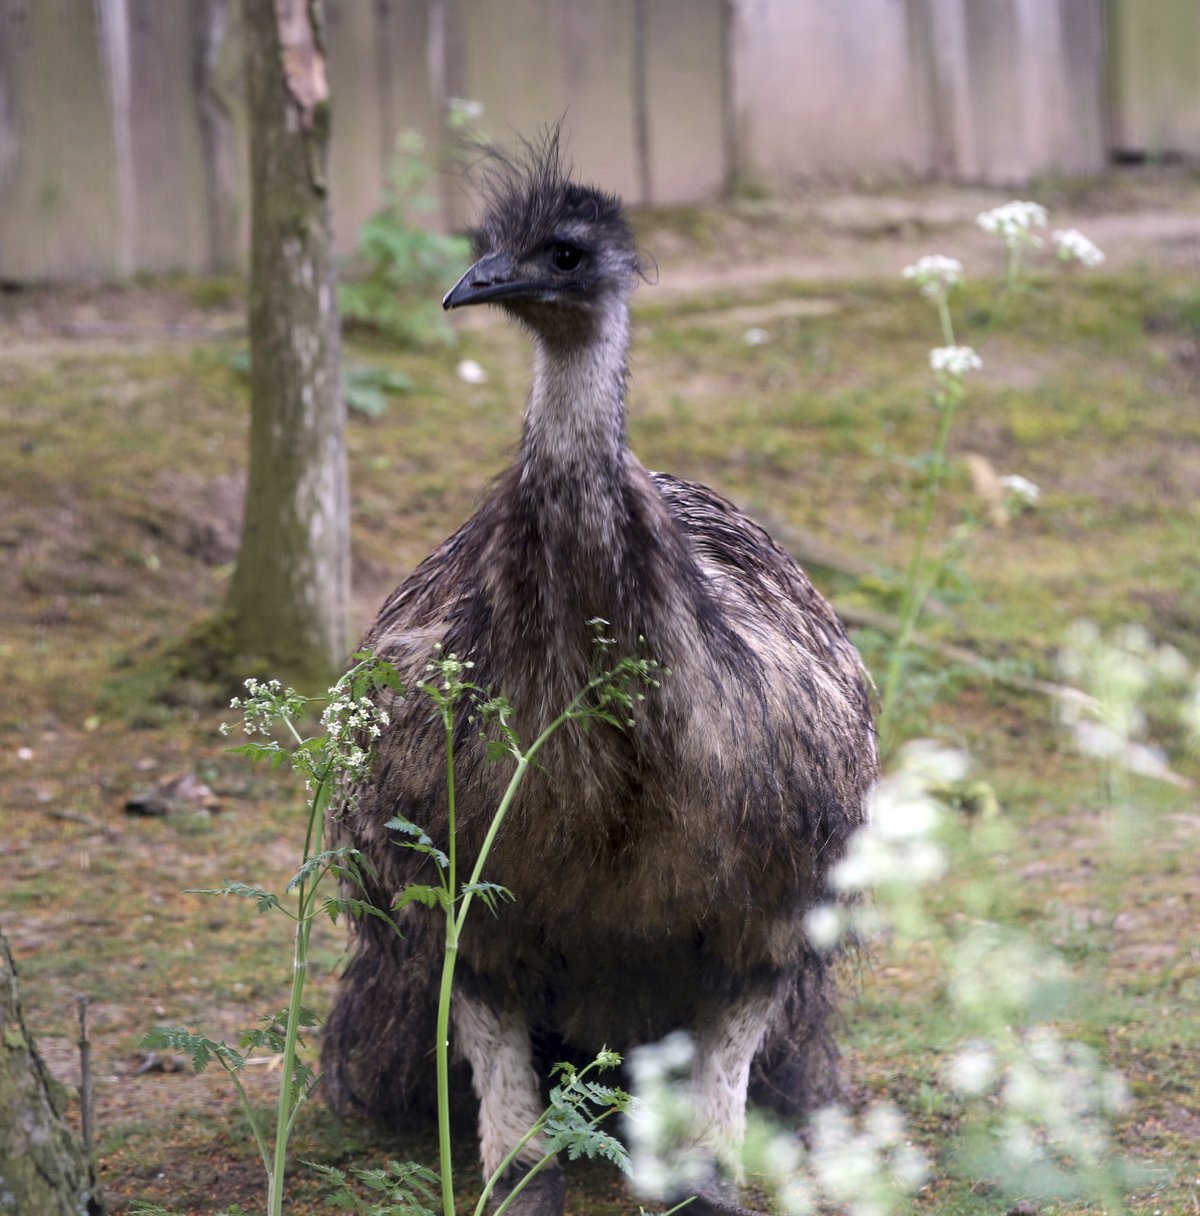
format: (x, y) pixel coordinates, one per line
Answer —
(661, 873)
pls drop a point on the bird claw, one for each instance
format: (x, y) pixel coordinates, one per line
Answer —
(714, 1198)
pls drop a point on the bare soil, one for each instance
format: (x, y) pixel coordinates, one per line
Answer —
(120, 522)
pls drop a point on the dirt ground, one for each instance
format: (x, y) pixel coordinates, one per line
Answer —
(124, 434)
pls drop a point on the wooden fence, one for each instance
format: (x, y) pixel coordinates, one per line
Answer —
(122, 123)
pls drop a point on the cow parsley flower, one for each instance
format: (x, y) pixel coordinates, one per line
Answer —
(935, 275)
(471, 372)
(465, 108)
(1014, 222)
(1020, 489)
(1071, 245)
(973, 1068)
(954, 361)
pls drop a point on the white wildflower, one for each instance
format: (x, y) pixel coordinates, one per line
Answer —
(1097, 739)
(659, 1125)
(756, 336)
(823, 926)
(996, 973)
(1119, 674)
(904, 817)
(885, 1124)
(954, 361)
(668, 1057)
(464, 108)
(973, 1068)
(899, 848)
(1020, 489)
(1114, 1093)
(1014, 222)
(865, 1168)
(932, 763)
(935, 275)
(1071, 245)
(470, 372)
(1170, 665)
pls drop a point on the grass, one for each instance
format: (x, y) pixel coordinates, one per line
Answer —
(119, 476)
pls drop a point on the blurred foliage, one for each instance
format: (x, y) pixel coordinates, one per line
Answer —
(402, 269)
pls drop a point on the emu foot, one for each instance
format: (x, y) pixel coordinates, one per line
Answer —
(717, 1197)
(543, 1195)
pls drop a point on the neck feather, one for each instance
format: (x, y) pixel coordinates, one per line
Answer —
(585, 534)
(575, 420)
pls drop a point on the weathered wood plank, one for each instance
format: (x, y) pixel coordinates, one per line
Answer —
(58, 200)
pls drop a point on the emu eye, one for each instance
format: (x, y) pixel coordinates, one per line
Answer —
(566, 257)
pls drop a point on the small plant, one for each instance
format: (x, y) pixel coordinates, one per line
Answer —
(403, 267)
(936, 276)
(570, 1124)
(610, 696)
(1036, 1108)
(367, 389)
(331, 764)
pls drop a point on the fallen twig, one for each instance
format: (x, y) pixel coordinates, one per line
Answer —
(885, 622)
(85, 1079)
(87, 821)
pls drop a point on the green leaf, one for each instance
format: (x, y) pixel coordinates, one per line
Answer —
(303, 1081)
(198, 1047)
(324, 860)
(490, 892)
(570, 1132)
(261, 751)
(406, 1187)
(265, 899)
(497, 750)
(335, 906)
(422, 843)
(415, 893)
(364, 399)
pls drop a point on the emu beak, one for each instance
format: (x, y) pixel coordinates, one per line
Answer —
(493, 277)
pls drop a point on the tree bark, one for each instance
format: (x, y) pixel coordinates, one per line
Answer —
(43, 1166)
(290, 590)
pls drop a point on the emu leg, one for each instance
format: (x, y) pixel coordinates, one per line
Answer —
(796, 1070)
(496, 1044)
(374, 1046)
(726, 1043)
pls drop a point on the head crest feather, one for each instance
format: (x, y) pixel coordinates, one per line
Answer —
(531, 199)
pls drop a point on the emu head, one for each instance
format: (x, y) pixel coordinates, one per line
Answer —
(556, 255)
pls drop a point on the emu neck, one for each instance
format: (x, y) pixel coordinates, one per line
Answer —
(586, 535)
(575, 420)
(580, 500)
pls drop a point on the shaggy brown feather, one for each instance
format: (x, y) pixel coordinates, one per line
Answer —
(659, 872)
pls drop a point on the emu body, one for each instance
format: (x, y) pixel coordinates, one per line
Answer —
(661, 873)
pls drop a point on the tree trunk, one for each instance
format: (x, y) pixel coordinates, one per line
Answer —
(43, 1167)
(289, 593)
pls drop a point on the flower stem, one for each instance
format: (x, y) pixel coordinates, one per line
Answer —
(1014, 266)
(456, 918)
(916, 585)
(289, 1102)
(449, 959)
(943, 307)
